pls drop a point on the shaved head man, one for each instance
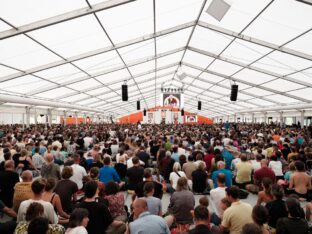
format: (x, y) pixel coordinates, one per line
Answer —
(22, 190)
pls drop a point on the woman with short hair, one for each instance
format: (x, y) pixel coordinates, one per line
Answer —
(78, 221)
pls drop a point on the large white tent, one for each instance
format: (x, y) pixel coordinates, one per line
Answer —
(74, 55)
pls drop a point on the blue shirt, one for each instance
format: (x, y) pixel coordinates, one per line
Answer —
(228, 177)
(108, 174)
(147, 223)
(228, 157)
(175, 157)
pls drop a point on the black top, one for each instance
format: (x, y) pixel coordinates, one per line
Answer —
(8, 179)
(65, 189)
(99, 217)
(158, 192)
(200, 229)
(121, 170)
(135, 176)
(277, 209)
(199, 178)
(143, 156)
(291, 226)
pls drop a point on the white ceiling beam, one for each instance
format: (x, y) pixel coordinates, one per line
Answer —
(62, 18)
(247, 83)
(224, 59)
(277, 108)
(255, 40)
(96, 52)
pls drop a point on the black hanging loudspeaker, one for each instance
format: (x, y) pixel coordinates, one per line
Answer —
(144, 112)
(138, 105)
(199, 105)
(234, 91)
(124, 92)
(182, 112)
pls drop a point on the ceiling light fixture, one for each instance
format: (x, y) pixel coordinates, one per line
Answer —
(217, 9)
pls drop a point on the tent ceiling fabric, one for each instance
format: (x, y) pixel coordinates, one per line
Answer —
(80, 52)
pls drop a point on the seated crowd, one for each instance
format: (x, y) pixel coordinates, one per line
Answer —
(75, 180)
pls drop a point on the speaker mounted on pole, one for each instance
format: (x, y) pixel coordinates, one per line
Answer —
(144, 112)
(199, 106)
(138, 105)
(234, 91)
(182, 112)
(124, 92)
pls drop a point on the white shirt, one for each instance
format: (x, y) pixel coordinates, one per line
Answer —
(78, 173)
(48, 210)
(255, 165)
(130, 163)
(276, 166)
(77, 230)
(181, 151)
(174, 178)
(216, 196)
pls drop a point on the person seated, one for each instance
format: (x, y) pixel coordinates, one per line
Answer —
(146, 223)
(295, 222)
(67, 189)
(276, 207)
(174, 176)
(134, 174)
(148, 177)
(243, 174)
(53, 197)
(265, 196)
(35, 210)
(39, 225)
(116, 201)
(251, 228)
(199, 178)
(9, 226)
(100, 218)
(201, 219)
(260, 217)
(178, 207)
(154, 204)
(300, 180)
(78, 221)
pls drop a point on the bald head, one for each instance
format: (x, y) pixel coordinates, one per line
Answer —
(49, 158)
(9, 164)
(139, 206)
(27, 176)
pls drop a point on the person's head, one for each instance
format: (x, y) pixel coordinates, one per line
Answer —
(232, 193)
(299, 166)
(79, 217)
(251, 228)
(111, 188)
(139, 206)
(136, 161)
(147, 173)
(50, 184)
(293, 207)
(7, 156)
(264, 163)
(204, 201)
(49, 158)
(243, 157)
(225, 203)
(260, 215)
(148, 188)
(9, 165)
(67, 172)
(182, 184)
(27, 176)
(201, 214)
(34, 210)
(176, 167)
(221, 179)
(24, 153)
(38, 186)
(94, 173)
(221, 165)
(292, 166)
(107, 161)
(277, 191)
(168, 153)
(91, 189)
(39, 225)
(76, 158)
(201, 166)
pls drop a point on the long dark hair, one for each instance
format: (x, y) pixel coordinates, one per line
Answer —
(77, 216)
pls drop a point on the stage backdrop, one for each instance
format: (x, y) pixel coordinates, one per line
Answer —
(175, 100)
